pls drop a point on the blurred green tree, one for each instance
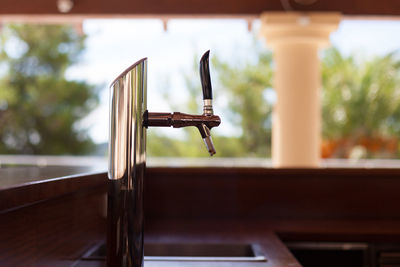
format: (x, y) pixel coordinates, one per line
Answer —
(39, 107)
(360, 106)
(245, 86)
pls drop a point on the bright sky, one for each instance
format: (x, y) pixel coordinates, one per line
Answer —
(113, 45)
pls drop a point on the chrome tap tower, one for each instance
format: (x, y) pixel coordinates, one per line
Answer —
(129, 119)
(127, 160)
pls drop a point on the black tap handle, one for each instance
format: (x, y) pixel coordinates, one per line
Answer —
(205, 76)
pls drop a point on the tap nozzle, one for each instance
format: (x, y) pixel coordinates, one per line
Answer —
(209, 145)
(206, 135)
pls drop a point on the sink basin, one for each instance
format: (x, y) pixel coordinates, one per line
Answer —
(189, 252)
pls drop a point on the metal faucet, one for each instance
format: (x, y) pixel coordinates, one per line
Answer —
(203, 122)
(129, 120)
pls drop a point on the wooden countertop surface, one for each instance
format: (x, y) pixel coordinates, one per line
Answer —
(216, 232)
(11, 177)
(267, 234)
(23, 186)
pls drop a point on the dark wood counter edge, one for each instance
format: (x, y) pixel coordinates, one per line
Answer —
(254, 193)
(340, 230)
(35, 191)
(277, 171)
(54, 179)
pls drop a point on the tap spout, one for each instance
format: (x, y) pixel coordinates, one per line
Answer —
(178, 120)
(206, 135)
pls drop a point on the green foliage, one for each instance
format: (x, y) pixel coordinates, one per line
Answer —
(39, 107)
(361, 103)
(363, 98)
(244, 87)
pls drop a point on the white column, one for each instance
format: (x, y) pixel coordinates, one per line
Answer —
(295, 39)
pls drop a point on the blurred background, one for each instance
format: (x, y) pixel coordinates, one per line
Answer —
(54, 82)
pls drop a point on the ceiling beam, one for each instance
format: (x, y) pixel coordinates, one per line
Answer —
(196, 8)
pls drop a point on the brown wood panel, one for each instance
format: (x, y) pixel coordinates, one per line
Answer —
(242, 193)
(52, 233)
(198, 7)
(211, 205)
(26, 185)
(272, 193)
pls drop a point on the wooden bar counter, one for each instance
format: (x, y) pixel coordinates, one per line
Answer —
(51, 216)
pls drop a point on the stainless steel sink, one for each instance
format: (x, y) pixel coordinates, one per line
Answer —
(190, 252)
